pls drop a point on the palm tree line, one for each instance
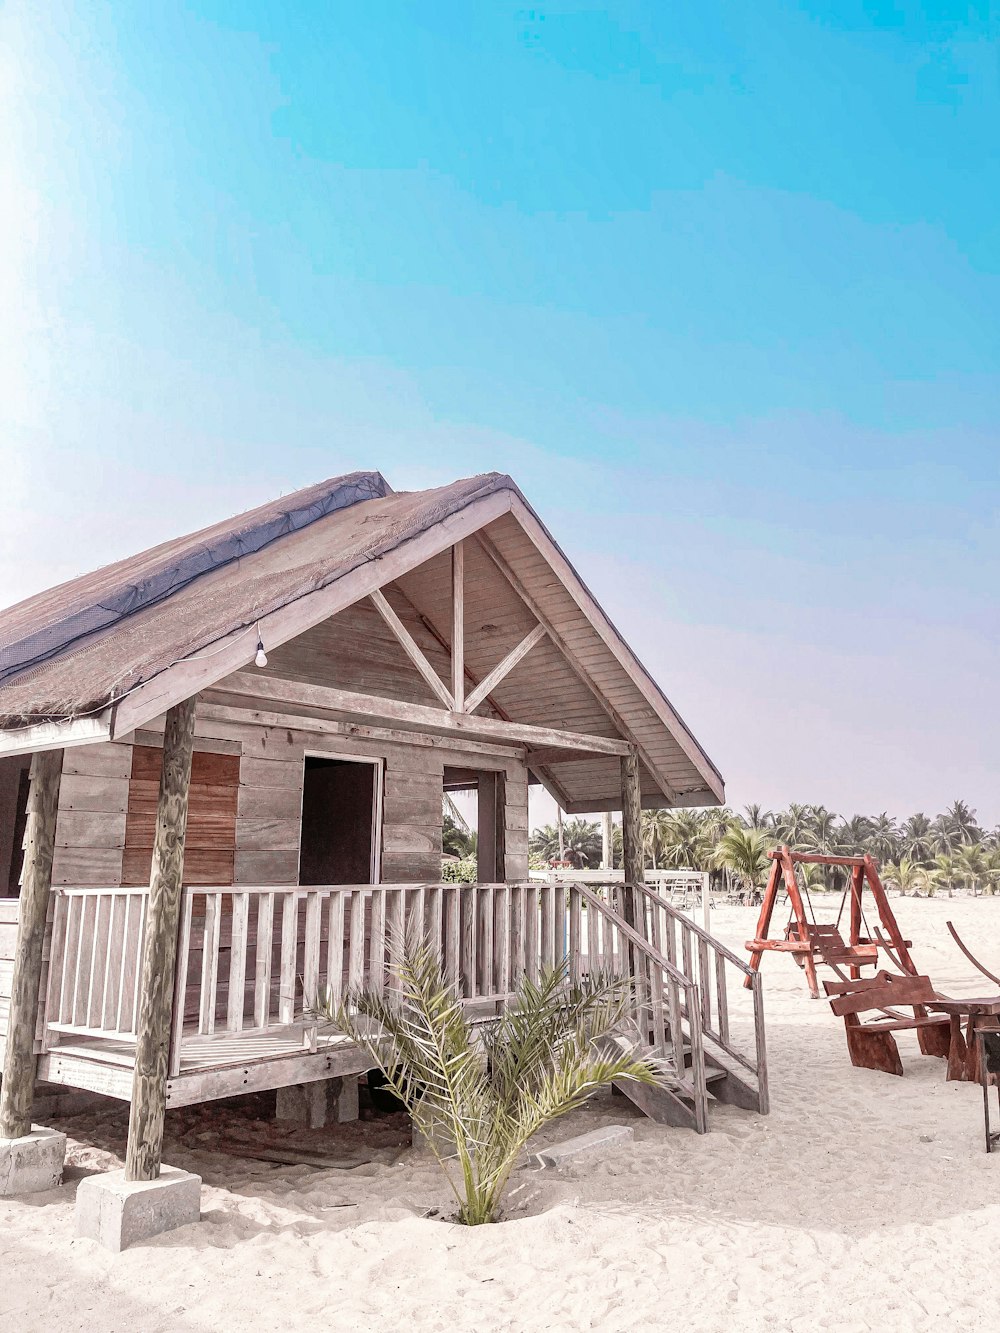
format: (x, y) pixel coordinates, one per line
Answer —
(919, 854)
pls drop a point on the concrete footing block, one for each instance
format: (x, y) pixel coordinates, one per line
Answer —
(118, 1213)
(560, 1154)
(328, 1101)
(32, 1163)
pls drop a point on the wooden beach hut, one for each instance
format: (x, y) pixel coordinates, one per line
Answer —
(222, 765)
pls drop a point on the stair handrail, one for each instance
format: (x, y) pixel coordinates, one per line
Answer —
(720, 1036)
(695, 1086)
(693, 926)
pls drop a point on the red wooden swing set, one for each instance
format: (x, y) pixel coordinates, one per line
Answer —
(809, 942)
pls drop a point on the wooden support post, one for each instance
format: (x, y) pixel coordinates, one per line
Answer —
(458, 626)
(632, 857)
(764, 920)
(18, 1089)
(149, 1084)
(607, 842)
(857, 887)
(491, 849)
(887, 916)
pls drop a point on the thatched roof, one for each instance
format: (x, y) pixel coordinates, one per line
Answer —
(78, 647)
(109, 651)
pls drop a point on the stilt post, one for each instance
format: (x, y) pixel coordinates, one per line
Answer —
(18, 1089)
(632, 858)
(159, 954)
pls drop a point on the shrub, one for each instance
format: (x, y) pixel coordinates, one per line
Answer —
(485, 1093)
(459, 872)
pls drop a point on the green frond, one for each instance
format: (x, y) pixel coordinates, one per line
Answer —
(487, 1091)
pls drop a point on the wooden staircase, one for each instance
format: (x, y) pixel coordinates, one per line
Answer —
(680, 1010)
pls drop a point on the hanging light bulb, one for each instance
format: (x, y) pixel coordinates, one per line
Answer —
(261, 658)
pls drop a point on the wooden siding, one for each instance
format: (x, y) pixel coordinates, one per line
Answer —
(210, 845)
(270, 798)
(93, 806)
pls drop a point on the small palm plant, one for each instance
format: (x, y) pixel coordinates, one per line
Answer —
(478, 1096)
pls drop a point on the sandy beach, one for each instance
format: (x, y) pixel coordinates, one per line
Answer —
(862, 1202)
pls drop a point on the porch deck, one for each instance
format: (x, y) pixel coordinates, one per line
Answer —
(211, 1066)
(254, 960)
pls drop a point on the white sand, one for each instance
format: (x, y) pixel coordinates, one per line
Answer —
(862, 1202)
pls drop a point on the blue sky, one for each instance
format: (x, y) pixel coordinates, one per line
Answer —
(717, 283)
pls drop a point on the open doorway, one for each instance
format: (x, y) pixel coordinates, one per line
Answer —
(341, 820)
(490, 797)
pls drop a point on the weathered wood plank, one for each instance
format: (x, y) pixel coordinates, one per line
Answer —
(266, 867)
(85, 792)
(91, 828)
(270, 803)
(268, 835)
(82, 866)
(106, 760)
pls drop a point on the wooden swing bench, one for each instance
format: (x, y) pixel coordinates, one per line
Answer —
(811, 943)
(827, 945)
(871, 1044)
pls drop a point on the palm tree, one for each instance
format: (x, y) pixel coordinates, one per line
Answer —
(824, 823)
(907, 875)
(795, 825)
(457, 841)
(945, 873)
(757, 817)
(975, 865)
(963, 821)
(485, 1094)
(883, 837)
(656, 835)
(545, 842)
(744, 852)
(579, 843)
(684, 842)
(582, 843)
(958, 827)
(852, 835)
(916, 839)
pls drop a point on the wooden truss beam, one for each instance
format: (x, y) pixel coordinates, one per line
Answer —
(458, 626)
(413, 650)
(504, 668)
(324, 698)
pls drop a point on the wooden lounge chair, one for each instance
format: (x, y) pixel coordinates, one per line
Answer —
(871, 1044)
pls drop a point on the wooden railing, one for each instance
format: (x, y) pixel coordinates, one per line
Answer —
(665, 1003)
(258, 959)
(708, 963)
(93, 982)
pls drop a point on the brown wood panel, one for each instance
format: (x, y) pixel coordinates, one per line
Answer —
(143, 796)
(202, 865)
(206, 768)
(210, 844)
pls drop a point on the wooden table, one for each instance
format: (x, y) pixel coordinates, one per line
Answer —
(963, 1051)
